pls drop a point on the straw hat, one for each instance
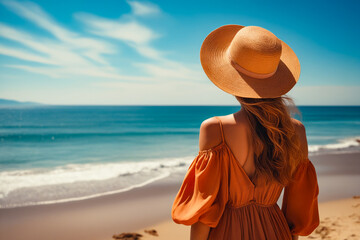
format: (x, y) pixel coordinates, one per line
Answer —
(249, 62)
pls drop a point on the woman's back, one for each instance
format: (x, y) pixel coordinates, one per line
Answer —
(238, 137)
(219, 192)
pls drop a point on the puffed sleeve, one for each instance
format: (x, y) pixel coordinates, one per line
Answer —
(300, 201)
(204, 192)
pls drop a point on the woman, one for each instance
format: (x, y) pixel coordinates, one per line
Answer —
(247, 158)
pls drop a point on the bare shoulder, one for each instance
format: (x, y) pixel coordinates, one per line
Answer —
(297, 122)
(299, 127)
(210, 134)
(301, 132)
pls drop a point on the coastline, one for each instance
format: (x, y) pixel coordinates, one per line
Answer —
(149, 207)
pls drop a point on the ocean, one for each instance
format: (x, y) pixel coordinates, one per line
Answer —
(52, 154)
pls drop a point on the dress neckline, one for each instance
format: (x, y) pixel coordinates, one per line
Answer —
(231, 152)
(224, 144)
(238, 163)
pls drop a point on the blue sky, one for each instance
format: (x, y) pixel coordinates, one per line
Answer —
(142, 52)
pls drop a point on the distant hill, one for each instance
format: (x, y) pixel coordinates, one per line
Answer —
(7, 102)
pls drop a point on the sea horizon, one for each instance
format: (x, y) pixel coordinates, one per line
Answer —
(16, 103)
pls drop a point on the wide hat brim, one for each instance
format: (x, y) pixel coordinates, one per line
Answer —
(218, 68)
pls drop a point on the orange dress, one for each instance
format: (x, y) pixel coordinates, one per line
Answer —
(217, 192)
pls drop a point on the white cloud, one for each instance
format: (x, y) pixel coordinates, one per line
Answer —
(69, 55)
(102, 73)
(139, 37)
(22, 54)
(35, 14)
(144, 8)
(56, 52)
(148, 52)
(171, 70)
(130, 31)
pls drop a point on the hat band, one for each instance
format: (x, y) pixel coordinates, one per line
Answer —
(251, 74)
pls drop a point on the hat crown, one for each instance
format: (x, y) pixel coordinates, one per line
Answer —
(255, 50)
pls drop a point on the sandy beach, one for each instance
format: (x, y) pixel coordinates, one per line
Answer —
(148, 208)
(339, 219)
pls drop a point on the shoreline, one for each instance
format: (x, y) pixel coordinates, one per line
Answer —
(116, 212)
(20, 193)
(100, 217)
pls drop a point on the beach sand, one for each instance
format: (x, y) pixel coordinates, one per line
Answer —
(339, 219)
(148, 208)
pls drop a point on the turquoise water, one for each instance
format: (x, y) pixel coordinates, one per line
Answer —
(54, 153)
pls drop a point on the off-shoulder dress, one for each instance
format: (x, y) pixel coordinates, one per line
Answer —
(217, 192)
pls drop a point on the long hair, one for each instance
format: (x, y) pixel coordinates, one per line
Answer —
(274, 139)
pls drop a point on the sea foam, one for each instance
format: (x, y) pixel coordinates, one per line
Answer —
(344, 145)
(81, 181)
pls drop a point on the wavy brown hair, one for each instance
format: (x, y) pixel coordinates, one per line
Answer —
(275, 142)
